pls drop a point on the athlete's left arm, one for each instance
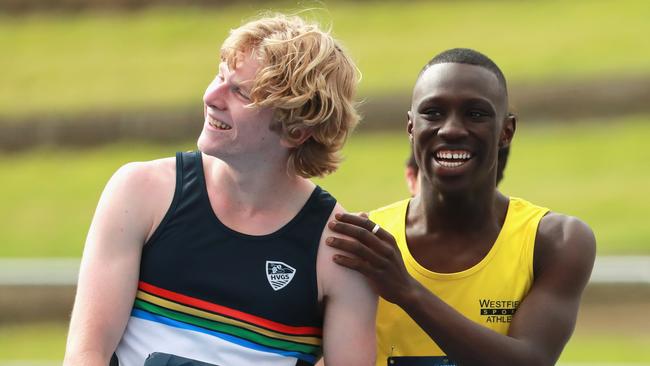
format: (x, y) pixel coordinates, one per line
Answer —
(564, 255)
(565, 249)
(350, 307)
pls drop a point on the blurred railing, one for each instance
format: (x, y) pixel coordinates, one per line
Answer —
(43, 288)
(64, 271)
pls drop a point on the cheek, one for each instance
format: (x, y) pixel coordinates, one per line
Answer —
(242, 114)
(264, 116)
(423, 134)
(265, 112)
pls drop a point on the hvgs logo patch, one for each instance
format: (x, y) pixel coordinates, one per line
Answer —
(279, 274)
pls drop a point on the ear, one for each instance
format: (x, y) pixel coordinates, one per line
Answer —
(297, 137)
(411, 176)
(508, 130)
(409, 125)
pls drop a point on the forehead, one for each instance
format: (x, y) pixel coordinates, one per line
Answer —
(244, 64)
(459, 81)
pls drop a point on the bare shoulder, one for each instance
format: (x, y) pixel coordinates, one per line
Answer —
(142, 181)
(564, 244)
(350, 306)
(143, 189)
(331, 276)
(324, 264)
(326, 250)
(145, 173)
(559, 232)
(132, 205)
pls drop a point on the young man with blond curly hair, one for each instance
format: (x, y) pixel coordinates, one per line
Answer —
(216, 256)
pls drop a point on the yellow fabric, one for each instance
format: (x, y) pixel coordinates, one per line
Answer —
(482, 293)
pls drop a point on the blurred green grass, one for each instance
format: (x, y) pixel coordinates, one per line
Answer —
(595, 170)
(34, 341)
(603, 348)
(61, 64)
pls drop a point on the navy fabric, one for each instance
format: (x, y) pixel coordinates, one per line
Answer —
(194, 254)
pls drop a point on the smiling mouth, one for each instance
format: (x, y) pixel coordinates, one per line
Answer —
(217, 124)
(453, 158)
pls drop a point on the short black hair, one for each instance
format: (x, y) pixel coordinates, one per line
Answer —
(470, 57)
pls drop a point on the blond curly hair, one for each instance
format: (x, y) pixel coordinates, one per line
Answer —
(309, 81)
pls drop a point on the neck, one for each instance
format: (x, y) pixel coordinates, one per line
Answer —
(461, 212)
(253, 187)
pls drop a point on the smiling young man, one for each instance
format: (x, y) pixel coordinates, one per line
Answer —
(468, 275)
(216, 256)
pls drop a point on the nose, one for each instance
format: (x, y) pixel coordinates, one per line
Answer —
(453, 128)
(215, 94)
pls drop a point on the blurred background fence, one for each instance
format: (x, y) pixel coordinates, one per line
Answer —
(86, 86)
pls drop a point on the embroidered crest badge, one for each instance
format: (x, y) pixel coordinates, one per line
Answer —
(279, 274)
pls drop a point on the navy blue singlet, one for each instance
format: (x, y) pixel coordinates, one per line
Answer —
(212, 294)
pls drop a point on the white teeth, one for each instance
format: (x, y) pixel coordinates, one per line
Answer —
(451, 164)
(456, 155)
(452, 158)
(217, 124)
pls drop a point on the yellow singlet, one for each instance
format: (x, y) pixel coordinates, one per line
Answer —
(487, 293)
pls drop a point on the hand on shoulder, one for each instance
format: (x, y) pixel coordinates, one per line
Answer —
(350, 306)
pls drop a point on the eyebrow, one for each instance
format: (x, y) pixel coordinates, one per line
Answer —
(437, 99)
(235, 81)
(246, 83)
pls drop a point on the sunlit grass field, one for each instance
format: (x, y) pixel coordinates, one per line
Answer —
(596, 170)
(61, 64)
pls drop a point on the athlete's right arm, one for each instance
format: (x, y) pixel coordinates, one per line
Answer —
(109, 270)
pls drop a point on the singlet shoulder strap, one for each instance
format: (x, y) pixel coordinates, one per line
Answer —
(312, 219)
(190, 167)
(321, 202)
(187, 163)
(191, 179)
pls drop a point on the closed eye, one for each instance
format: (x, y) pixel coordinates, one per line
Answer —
(237, 90)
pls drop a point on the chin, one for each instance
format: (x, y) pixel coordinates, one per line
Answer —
(452, 187)
(200, 144)
(206, 146)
